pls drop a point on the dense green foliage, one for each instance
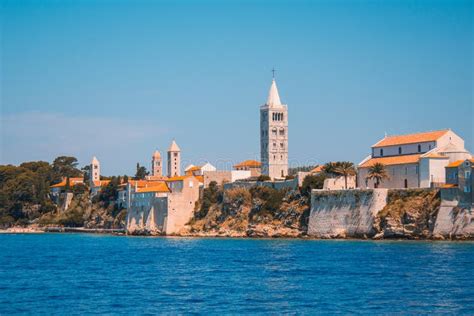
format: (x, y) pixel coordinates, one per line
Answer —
(293, 171)
(141, 172)
(271, 199)
(313, 182)
(24, 189)
(210, 195)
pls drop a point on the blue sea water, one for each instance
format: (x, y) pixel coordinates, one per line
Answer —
(100, 274)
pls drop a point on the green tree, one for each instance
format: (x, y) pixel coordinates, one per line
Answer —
(330, 169)
(378, 173)
(65, 166)
(345, 169)
(311, 182)
(141, 172)
(86, 170)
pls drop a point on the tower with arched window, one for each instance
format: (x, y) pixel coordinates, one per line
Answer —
(274, 135)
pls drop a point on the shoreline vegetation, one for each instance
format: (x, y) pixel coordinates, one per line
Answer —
(259, 212)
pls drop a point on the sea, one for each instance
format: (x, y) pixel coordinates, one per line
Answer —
(77, 274)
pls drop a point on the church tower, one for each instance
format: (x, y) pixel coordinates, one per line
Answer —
(174, 160)
(94, 171)
(156, 164)
(274, 135)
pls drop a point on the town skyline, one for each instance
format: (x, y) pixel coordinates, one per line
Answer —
(121, 103)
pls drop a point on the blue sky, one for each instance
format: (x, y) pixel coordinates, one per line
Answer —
(119, 79)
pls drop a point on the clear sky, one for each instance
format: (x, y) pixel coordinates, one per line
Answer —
(119, 79)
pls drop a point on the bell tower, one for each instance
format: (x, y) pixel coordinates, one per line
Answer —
(156, 164)
(274, 135)
(174, 160)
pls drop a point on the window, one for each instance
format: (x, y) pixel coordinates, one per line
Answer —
(282, 145)
(282, 132)
(417, 169)
(467, 175)
(467, 189)
(419, 148)
(406, 183)
(281, 116)
(176, 154)
(381, 152)
(274, 132)
(399, 150)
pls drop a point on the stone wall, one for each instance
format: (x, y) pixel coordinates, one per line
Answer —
(455, 217)
(345, 213)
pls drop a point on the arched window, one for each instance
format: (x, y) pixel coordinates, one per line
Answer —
(282, 132)
(282, 116)
(419, 148)
(399, 150)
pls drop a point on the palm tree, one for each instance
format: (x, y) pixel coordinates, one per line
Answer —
(345, 169)
(378, 173)
(329, 168)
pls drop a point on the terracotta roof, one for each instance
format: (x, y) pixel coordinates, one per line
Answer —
(101, 183)
(72, 182)
(178, 178)
(249, 163)
(195, 168)
(200, 178)
(449, 185)
(159, 187)
(394, 160)
(410, 138)
(457, 163)
(317, 169)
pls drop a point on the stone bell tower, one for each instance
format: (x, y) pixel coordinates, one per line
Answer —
(274, 135)
(156, 164)
(174, 160)
(94, 171)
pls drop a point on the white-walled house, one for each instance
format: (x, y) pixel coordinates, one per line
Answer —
(413, 160)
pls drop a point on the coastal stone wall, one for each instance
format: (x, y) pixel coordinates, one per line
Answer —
(345, 213)
(455, 220)
(384, 213)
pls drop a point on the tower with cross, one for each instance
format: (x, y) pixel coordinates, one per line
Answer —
(274, 135)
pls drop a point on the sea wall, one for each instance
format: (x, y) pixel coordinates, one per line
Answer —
(345, 213)
(390, 213)
(455, 221)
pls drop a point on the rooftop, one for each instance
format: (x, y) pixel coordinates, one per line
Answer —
(249, 163)
(410, 138)
(393, 160)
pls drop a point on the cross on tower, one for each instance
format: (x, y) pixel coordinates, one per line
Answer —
(273, 72)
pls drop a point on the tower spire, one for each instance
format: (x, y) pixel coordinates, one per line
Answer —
(273, 96)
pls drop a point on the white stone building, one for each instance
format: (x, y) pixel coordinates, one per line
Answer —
(274, 135)
(162, 207)
(413, 160)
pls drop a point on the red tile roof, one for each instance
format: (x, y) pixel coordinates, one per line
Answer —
(394, 160)
(410, 138)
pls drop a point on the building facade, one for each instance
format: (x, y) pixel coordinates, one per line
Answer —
(274, 135)
(413, 160)
(255, 167)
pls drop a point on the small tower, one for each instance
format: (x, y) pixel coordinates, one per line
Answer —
(274, 135)
(94, 174)
(156, 164)
(174, 160)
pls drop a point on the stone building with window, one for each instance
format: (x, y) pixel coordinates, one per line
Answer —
(413, 160)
